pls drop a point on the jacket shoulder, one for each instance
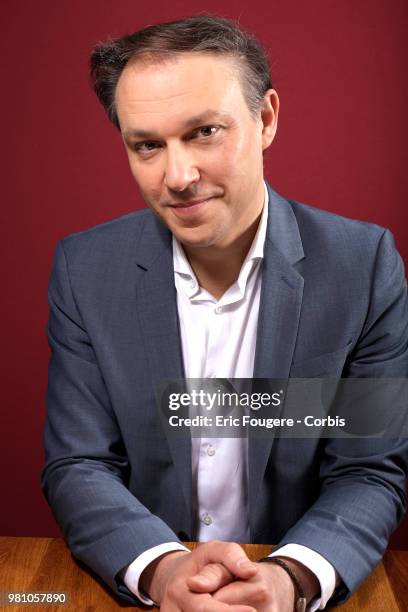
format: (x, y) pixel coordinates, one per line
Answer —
(314, 221)
(340, 240)
(121, 230)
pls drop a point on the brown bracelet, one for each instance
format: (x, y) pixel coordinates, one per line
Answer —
(300, 599)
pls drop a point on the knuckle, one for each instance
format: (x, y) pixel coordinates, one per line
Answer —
(172, 589)
(175, 586)
(233, 552)
(234, 547)
(215, 542)
(262, 593)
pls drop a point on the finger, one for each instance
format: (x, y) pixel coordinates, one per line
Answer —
(231, 555)
(205, 603)
(210, 578)
(241, 591)
(210, 606)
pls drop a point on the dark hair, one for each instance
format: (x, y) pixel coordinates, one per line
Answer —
(198, 34)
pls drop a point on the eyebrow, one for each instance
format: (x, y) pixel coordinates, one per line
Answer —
(209, 115)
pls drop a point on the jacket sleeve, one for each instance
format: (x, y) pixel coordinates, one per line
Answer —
(86, 469)
(362, 496)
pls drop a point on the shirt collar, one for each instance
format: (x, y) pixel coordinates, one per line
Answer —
(256, 250)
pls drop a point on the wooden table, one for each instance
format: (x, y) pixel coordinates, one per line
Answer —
(45, 564)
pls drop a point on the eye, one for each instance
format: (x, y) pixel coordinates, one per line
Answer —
(145, 147)
(207, 130)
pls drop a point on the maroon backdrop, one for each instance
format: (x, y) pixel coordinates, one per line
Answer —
(340, 70)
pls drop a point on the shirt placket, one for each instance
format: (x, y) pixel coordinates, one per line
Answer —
(209, 446)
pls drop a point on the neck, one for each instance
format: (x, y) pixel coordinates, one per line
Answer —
(218, 267)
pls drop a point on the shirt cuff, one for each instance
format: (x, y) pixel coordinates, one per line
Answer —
(322, 569)
(133, 572)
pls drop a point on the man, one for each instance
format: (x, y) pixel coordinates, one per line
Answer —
(220, 278)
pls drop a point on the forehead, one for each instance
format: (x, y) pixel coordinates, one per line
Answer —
(178, 87)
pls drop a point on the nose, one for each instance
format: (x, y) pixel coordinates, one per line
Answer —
(180, 171)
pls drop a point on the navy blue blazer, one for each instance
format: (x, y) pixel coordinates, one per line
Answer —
(333, 303)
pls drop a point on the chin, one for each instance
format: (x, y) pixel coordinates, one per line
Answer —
(193, 238)
(195, 243)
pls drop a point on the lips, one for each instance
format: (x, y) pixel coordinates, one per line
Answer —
(190, 203)
(185, 209)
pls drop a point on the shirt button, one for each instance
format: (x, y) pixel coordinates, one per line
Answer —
(207, 520)
(218, 310)
(210, 451)
(192, 284)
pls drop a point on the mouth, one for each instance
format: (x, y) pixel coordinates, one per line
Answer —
(184, 209)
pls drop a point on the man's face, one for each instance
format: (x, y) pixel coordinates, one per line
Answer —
(194, 148)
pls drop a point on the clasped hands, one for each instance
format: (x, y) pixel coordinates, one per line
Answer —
(217, 577)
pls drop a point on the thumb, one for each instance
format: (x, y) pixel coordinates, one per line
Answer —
(210, 578)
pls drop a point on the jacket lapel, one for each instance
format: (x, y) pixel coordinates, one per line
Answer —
(278, 321)
(157, 310)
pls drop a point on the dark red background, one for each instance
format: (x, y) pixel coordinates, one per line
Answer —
(340, 69)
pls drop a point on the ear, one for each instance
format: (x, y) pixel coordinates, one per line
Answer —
(269, 117)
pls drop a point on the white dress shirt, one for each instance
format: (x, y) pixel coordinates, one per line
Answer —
(218, 340)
